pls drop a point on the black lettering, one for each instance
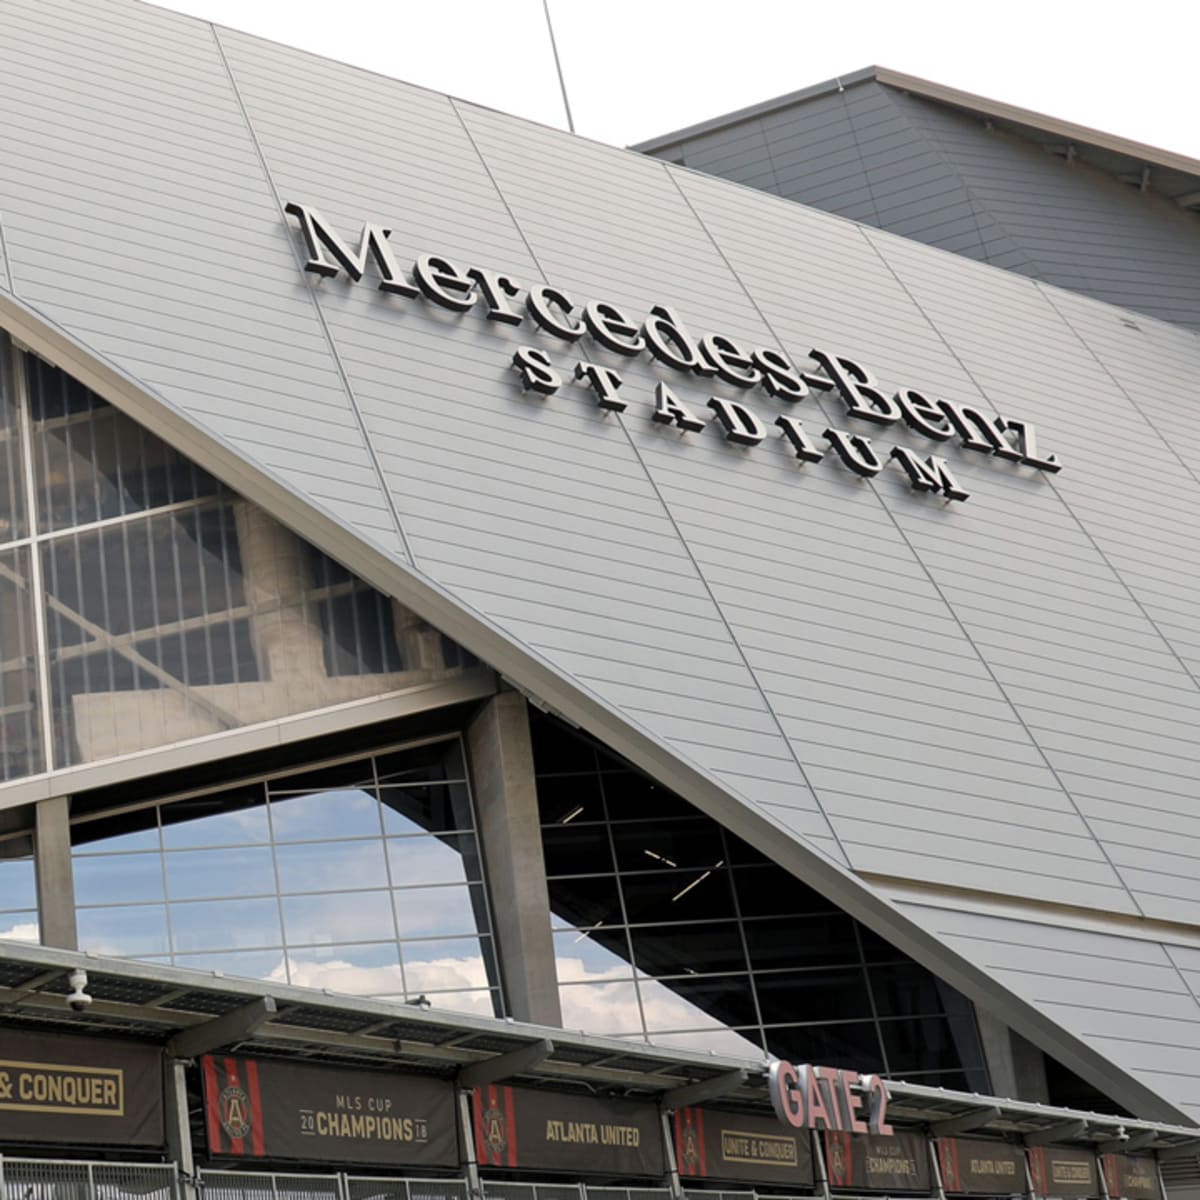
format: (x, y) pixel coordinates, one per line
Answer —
(805, 448)
(732, 363)
(779, 376)
(741, 425)
(604, 381)
(669, 410)
(978, 430)
(496, 289)
(443, 283)
(537, 372)
(613, 329)
(923, 415)
(855, 451)
(1027, 441)
(373, 244)
(543, 301)
(669, 342)
(863, 396)
(932, 475)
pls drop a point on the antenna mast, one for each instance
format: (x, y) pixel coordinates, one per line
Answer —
(562, 83)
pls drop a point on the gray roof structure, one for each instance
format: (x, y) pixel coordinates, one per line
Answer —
(972, 725)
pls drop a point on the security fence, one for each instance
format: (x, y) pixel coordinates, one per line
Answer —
(50, 1179)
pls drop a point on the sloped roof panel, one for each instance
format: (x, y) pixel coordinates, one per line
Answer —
(945, 693)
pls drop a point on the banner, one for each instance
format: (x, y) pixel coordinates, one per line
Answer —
(872, 1163)
(554, 1131)
(976, 1167)
(86, 1091)
(1130, 1178)
(1058, 1171)
(260, 1108)
(735, 1148)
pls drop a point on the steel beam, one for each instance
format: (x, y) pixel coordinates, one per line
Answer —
(505, 1066)
(1063, 1132)
(706, 1089)
(964, 1122)
(234, 1026)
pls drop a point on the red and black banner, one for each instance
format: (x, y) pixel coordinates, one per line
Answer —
(1128, 1177)
(735, 1148)
(1057, 1171)
(79, 1091)
(260, 1108)
(977, 1167)
(873, 1163)
(552, 1131)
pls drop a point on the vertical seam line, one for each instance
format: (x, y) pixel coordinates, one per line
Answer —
(4, 255)
(670, 516)
(333, 350)
(912, 549)
(957, 619)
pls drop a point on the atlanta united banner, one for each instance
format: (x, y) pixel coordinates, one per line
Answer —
(1057, 1171)
(552, 1131)
(976, 1167)
(81, 1090)
(259, 1108)
(736, 1148)
(1130, 1178)
(874, 1163)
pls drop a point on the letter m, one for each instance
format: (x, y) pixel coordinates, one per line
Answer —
(932, 475)
(319, 238)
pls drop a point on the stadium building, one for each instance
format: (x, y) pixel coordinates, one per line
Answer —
(501, 637)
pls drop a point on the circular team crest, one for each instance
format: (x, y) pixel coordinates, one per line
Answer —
(691, 1150)
(234, 1111)
(495, 1130)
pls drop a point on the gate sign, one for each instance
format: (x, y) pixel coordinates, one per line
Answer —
(877, 1164)
(85, 1091)
(266, 1109)
(1129, 1178)
(1057, 1171)
(736, 1148)
(975, 1167)
(826, 1098)
(551, 1131)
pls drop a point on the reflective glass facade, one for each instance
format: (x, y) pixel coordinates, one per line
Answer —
(667, 927)
(363, 877)
(18, 891)
(172, 609)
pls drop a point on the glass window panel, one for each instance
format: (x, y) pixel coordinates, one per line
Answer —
(368, 970)
(431, 808)
(437, 966)
(440, 911)
(776, 942)
(12, 474)
(577, 849)
(19, 926)
(225, 924)
(770, 891)
(697, 1002)
(20, 725)
(330, 866)
(679, 949)
(564, 799)
(585, 903)
(904, 989)
(875, 949)
(117, 878)
(18, 884)
(337, 777)
(217, 874)
(697, 894)
(345, 813)
(221, 819)
(451, 858)
(927, 1044)
(601, 955)
(654, 845)
(436, 762)
(359, 633)
(601, 1007)
(124, 932)
(93, 462)
(96, 837)
(630, 796)
(854, 1044)
(248, 964)
(822, 995)
(337, 919)
(557, 749)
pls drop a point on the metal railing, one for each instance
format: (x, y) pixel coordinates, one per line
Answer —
(53, 1179)
(261, 1185)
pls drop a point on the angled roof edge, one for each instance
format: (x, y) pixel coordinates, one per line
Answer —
(1139, 154)
(548, 689)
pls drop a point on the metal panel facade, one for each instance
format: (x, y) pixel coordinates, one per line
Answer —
(996, 696)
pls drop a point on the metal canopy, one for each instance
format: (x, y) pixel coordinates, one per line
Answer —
(166, 1004)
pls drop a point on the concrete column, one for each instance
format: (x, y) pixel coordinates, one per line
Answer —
(287, 638)
(1015, 1065)
(501, 765)
(55, 880)
(179, 1130)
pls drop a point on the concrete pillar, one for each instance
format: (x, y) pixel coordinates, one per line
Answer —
(179, 1130)
(287, 637)
(55, 880)
(501, 765)
(1016, 1066)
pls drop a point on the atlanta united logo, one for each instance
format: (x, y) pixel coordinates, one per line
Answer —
(691, 1150)
(234, 1111)
(495, 1130)
(838, 1161)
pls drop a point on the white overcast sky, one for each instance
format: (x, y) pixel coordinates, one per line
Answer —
(636, 68)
